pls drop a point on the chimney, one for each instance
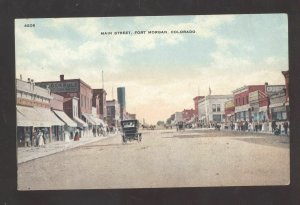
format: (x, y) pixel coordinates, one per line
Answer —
(28, 80)
(20, 76)
(62, 77)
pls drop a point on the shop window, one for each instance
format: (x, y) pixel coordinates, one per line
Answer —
(217, 118)
(214, 107)
(218, 108)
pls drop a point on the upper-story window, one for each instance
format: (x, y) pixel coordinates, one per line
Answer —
(216, 107)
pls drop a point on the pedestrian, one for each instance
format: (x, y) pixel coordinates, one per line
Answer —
(273, 125)
(76, 138)
(250, 127)
(94, 131)
(41, 141)
(27, 140)
(98, 131)
(285, 127)
(246, 126)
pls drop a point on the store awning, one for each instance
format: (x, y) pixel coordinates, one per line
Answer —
(48, 115)
(28, 116)
(98, 121)
(93, 120)
(22, 121)
(65, 118)
(80, 123)
(89, 119)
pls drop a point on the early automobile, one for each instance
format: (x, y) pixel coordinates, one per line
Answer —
(180, 126)
(130, 130)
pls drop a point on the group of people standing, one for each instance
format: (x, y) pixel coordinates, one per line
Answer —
(101, 131)
(257, 126)
(38, 138)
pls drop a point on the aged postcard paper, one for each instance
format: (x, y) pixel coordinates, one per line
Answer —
(148, 102)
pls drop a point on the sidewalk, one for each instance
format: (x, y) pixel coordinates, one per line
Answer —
(29, 153)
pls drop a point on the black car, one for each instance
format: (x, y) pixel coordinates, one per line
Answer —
(130, 130)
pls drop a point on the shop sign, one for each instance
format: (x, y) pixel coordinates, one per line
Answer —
(242, 108)
(279, 109)
(60, 87)
(273, 89)
(229, 104)
(278, 99)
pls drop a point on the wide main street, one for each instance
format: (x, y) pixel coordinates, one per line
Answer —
(164, 158)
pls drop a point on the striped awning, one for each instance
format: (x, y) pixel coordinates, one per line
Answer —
(36, 117)
(65, 118)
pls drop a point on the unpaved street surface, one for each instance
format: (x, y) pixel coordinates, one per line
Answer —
(164, 158)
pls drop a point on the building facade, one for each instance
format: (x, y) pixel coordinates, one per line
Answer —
(72, 88)
(188, 114)
(211, 109)
(196, 103)
(229, 109)
(34, 115)
(243, 107)
(66, 132)
(113, 113)
(122, 101)
(100, 103)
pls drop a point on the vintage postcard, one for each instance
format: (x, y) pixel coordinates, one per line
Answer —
(152, 102)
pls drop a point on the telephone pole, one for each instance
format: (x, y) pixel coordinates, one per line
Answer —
(102, 81)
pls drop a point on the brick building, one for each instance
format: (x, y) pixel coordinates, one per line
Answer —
(100, 103)
(245, 107)
(188, 114)
(113, 113)
(72, 88)
(196, 103)
(67, 132)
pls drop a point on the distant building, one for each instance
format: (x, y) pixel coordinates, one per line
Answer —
(196, 103)
(131, 116)
(188, 114)
(113, 113)
(122, 101)
(250, 103)
(101, 103)
(211, 108)
(229, 109)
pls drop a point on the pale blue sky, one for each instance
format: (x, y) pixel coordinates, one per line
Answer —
(160, 71)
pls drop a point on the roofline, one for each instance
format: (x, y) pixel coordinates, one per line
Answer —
(58, 81)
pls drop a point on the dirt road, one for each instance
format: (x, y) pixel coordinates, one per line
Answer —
(164, 159)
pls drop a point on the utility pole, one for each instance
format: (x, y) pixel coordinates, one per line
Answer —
(102, 81)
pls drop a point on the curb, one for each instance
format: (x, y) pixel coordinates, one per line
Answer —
(36, 154)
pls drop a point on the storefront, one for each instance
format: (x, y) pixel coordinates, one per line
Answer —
(279, 109)
(69, 127)
(279, 113)
(29, 122)
(82, 126)
(57, 132)
(242, 113)
(93, 123)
